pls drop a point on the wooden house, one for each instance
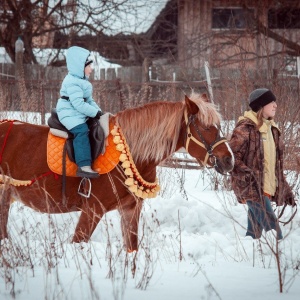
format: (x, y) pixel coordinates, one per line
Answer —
(226, 33)
(229, 33)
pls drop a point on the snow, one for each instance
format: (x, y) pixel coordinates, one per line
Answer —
(4, 57)
(192, 247)
(138, 18)
(44, 57)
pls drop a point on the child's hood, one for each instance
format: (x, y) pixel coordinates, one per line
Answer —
(76, 58)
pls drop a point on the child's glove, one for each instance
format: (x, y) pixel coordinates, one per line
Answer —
(99, 114)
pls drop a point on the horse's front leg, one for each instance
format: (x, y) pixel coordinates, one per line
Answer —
(130, 215)
(5, 197)
(91, 214)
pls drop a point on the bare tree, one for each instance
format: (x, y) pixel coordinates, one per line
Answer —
(41, 23)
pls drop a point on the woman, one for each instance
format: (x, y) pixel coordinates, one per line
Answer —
(257, 177)
(76, 105)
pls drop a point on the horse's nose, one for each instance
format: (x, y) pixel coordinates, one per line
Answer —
(228, 163)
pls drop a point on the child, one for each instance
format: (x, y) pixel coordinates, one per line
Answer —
(257, 177)
(76, 105)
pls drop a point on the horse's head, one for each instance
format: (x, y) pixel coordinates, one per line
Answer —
(202, 137)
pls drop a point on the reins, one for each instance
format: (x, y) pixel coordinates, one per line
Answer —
(291, 217)
(283, 209)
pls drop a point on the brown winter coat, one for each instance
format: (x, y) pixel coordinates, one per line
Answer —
(247, 175)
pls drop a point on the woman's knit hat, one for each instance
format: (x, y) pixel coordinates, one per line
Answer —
(259, 98)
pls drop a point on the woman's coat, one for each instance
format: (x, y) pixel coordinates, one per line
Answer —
(247, 175)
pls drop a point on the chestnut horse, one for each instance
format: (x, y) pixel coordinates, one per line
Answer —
(153, 132)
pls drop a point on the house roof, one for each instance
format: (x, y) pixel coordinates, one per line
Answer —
(158, 41)
(139, 36)
(147, 11)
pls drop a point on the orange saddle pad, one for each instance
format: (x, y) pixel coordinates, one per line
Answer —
(103, 164)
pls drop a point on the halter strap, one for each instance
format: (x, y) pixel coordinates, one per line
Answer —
(189, 136)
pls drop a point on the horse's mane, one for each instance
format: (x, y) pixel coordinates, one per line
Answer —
(152, 130)
(208, 112)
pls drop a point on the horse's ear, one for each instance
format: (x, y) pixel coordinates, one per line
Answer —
(205, 98)
(191, 106)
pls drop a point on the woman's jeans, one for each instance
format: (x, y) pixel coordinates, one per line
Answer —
(81, 144)
(262, 216)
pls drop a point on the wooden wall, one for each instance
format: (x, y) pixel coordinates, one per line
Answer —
(198, 42)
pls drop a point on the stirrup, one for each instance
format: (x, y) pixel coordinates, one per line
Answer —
(85, 187)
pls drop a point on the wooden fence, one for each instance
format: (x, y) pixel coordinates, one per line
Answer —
(114, 95)
(38, 89)
(230, 95)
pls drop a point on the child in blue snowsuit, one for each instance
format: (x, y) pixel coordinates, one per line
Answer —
(76, 105)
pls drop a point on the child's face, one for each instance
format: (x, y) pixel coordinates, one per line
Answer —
(88, 70)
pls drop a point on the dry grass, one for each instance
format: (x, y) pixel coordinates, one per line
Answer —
(32, 249)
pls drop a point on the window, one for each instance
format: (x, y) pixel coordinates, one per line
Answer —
(291, 64)
(288, 18)
(232, 18)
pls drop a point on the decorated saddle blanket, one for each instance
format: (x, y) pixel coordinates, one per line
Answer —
(104, 163)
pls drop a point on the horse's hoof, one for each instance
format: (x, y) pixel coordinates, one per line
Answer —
(4, 242)
(131, 250)
(3, 236)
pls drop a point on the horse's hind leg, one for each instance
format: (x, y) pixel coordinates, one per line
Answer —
(5, 197)
(130, 215)
(90, 216)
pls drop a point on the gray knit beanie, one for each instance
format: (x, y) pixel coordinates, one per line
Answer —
(259, 98)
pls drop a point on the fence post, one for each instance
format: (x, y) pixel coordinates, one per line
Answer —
(42, 99)
(145, 70)
(210, 91)
(298, 75)
(19, 48)
(120, 94)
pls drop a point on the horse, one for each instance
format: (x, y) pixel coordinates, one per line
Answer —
(152, 132)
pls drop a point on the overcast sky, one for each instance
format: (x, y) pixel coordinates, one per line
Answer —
(142, 17)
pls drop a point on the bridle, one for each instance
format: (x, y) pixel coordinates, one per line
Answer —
(190, 121)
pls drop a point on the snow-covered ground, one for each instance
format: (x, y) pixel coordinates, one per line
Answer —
(192, 247)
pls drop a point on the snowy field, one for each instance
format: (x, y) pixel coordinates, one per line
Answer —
(192, 247)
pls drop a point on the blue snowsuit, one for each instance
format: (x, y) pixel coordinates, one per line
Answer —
(74, 112)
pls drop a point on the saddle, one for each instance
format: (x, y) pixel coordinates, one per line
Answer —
(59, 142)
(96, 135)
